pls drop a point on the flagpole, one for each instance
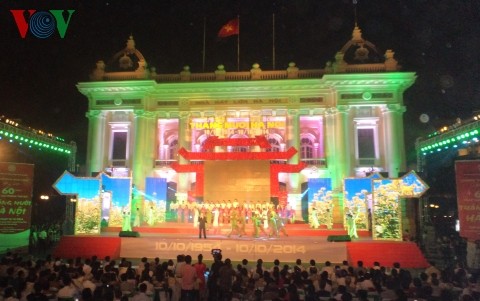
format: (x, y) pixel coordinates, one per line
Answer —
(273, 41)
(204, 38)
(238, 44)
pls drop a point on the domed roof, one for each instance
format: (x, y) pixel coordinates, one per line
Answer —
(128, 59)
(360, 51)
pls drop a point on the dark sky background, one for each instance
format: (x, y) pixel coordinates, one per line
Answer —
(437, 39)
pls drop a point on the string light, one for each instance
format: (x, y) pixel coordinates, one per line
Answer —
(467, 137)
(42, 145)
(14, 123)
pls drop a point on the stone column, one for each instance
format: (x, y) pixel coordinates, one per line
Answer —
(161, 153)
(394, 141)
(330, 150)
(343, 152)
(150, 144)
(293, 138)
(183, 185)
(96, 142)
(139, 149)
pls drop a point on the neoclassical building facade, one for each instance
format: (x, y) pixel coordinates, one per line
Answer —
(345, 120)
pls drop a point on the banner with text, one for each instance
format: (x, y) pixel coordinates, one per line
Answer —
(468, 198)
(16, 185)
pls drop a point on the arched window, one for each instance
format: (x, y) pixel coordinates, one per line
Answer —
(306, 147)
(172, 149)
(274, 145)
(240, 149)
(200, 142)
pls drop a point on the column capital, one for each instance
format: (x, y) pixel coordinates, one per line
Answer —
(394, 108)
(184, 115)
(150, 115)
(144, 114)
(94, 114)
(293, 113)
(139, 113)
(330, 111)
(343, 109)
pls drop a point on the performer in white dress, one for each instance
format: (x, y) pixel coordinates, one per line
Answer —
(196, 215)
(216, 214)
(265, 218)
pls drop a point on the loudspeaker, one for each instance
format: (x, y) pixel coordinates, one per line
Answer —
(334, 238)
(129, 234)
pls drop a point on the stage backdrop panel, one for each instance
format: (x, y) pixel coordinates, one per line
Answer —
(241, 180)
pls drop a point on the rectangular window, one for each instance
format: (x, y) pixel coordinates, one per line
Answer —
(366, 143)
(119, 147)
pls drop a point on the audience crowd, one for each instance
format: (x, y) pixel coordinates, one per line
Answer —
(186, 279)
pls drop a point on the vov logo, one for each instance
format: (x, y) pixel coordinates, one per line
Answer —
(42, 24)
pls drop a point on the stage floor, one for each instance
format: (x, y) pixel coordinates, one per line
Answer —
(302, 243)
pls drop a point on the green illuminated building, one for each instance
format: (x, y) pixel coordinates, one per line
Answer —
(345, 120)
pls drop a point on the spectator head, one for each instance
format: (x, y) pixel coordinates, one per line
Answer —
(298, 262)
(37, 287)
(66, 280)
(342, 289)
(347, 296)
(142, 287)
(87, 294)
(188, 259)
(362, 294)
(9, 292)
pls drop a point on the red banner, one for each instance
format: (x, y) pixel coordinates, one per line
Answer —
(468, 198)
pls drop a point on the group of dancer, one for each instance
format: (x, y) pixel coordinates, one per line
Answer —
(265, 218)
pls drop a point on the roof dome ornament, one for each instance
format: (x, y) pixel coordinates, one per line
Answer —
(361, 54)
(129, 59)
(125, 62)
(130, 44)
(360, 51)
(357, 35)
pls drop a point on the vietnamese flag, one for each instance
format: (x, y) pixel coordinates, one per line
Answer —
(229, 29)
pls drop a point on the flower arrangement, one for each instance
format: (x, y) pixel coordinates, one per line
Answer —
(320, 209)
(386, 210)
(87, 216)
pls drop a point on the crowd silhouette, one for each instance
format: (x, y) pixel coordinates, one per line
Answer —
(184, 279)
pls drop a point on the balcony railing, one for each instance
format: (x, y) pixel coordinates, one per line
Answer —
(162, 163)
(315, 162)
(367, 161)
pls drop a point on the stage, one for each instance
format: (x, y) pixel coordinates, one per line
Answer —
(170, 239)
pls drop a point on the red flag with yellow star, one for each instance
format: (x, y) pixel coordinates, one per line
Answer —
(229, 29)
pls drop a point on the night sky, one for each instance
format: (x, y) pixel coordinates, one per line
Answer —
(437, 39)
